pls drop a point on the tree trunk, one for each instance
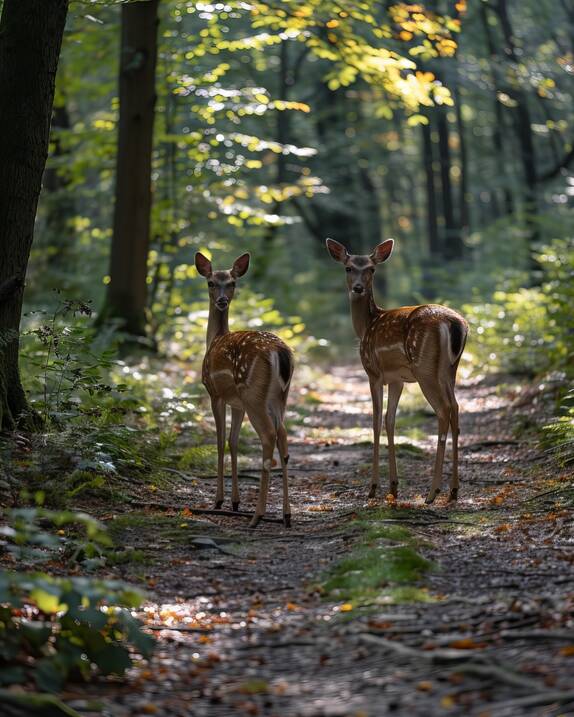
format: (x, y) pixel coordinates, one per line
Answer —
(432, 220)
(464, 204)
(498, 126)
(523, 126)
(452, 242)
(127, 292)
(30, 39)
(59, 201)
(434, 244)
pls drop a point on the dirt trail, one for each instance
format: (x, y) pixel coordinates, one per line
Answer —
(243, 629)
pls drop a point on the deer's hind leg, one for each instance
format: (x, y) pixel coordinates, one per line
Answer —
(284, 456)
(454, 427)
(395, 390)
(237, 415)
(437, 395)
(267, 433)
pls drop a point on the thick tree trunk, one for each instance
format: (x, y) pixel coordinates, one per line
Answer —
(30, 38)
(127, 291)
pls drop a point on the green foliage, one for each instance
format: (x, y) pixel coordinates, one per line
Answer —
(66, 363)
(56, 628)
(559, 434)
(28, 540)
(528, 330)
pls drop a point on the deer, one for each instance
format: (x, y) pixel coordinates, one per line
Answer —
(411, 344)
(251, 372)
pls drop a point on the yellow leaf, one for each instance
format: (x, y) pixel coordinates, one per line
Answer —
(425, 686)
(346, 607)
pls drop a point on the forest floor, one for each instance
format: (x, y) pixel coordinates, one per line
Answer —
(362, 608)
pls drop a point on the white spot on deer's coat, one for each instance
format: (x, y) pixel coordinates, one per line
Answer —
(267, 464)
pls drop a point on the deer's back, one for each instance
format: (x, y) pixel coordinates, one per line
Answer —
(401, 342)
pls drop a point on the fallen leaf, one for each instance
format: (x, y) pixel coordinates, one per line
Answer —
(567, 651)
(466, 643)
(425, 686)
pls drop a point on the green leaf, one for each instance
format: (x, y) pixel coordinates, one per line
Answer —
(113, 660)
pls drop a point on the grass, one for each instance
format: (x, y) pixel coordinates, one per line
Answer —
(383, 567)
(199, 457)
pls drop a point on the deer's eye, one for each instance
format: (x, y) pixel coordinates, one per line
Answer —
(210, 284)
(348, 269)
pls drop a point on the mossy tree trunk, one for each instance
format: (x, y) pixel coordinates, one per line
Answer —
(30, 39)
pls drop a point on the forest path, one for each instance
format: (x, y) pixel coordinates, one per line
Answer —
(245, 621)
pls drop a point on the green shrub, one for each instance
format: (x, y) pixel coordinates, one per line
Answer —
(559, 433)
(56, 628)
(528, 330)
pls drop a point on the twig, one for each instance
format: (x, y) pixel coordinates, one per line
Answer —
(567, 635)
(539, 698)
(540, 495)
(487, 444)
(179, 628)
(274, 645)
(201, 511)
(232, 514)
(433, 656)
(498, 673)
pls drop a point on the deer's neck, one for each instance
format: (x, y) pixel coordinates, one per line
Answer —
(217, 323)
(363, 312)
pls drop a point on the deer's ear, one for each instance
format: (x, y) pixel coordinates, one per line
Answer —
(240, 265)
(382, 251)
(336, 250)
(203, 265)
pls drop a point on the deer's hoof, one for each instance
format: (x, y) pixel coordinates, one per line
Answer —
(287, 520)
(235, 507)
(255, 521)
(453, 495)
(372, 492)
(218, 504)
(431, 497)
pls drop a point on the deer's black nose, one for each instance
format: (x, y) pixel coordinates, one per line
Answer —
(358, 289)
(222, 302)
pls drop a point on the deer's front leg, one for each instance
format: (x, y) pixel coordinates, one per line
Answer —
(236, 421)
(218, 408)
(395, 390)
(377, 398)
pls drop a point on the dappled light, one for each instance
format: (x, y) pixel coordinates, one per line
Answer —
(257, 457)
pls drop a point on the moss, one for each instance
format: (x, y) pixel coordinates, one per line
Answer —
(383, 567)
